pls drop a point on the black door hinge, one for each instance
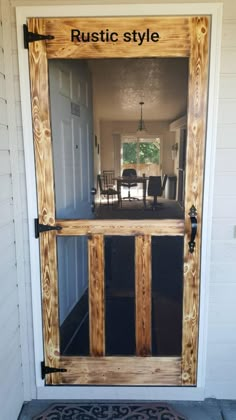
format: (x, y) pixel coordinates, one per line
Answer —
(46, 370)
(31, 37)
(39, 228)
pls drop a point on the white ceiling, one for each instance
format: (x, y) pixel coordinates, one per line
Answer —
(120, 84)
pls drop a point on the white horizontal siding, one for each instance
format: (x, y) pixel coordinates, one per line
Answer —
(2, 85)
(226, 159)
(226, 135)
(223, 251)
(6, 183)
(228, 34)
(6, 213)
(228, 60)
(221, 362)
(1, 59)
(20, 207)
(225, 207)
(224, 231)
(3, 111)
(228, 86)
(221, 335)
(4, 139)
(21, 210)
(5, 165)
(8, 233)
(8, 259)
(223, 272)
(8, 275)
(11, 378)
(227, 110)
(225, 183)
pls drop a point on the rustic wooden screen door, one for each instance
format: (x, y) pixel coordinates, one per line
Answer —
(179, 37)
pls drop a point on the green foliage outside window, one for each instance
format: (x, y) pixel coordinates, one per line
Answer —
(141, 153)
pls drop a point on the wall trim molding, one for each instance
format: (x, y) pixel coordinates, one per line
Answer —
(178, 124)
(146, 393)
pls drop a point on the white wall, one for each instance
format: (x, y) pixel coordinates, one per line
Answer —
(221, 343)
(11, 378)
(221, 360)
(16, 347)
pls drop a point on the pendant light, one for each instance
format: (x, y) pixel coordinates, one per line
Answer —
(141, 131)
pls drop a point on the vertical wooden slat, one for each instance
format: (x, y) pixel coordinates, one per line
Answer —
(96, 295)
(143, 294)
(198, 79)
(50, 304)
(41, 125)
(45, 189)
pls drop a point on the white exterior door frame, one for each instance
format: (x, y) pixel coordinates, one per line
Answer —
(215, 11)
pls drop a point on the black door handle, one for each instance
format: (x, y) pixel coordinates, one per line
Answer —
(193, 219)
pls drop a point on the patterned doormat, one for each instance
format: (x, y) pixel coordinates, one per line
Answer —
(109, 411)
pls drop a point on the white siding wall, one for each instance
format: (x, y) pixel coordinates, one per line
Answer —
(15, 355)
(221, 349)
(11, 389)
(221, 361)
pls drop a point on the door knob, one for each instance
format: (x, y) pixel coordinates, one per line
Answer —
(193, 219)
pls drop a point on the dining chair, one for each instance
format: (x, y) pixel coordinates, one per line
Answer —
(163, 186)
(109, 176)
(105, 190)
(129, 173)
(156, 188)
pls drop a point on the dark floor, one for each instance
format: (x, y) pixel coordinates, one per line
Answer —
(166, 209)
(210, 409)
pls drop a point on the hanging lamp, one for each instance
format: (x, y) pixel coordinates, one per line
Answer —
(141, 131)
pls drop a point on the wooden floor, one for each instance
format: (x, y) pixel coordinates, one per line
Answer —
(166, 209)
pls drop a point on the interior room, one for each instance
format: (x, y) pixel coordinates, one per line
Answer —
(130, 118)
(109, 117)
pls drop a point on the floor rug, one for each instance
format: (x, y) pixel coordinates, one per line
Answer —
(109, 411)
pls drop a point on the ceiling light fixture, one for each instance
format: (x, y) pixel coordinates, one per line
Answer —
(141, 131)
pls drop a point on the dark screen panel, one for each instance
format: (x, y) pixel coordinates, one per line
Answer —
(167, 295)
(120, 295)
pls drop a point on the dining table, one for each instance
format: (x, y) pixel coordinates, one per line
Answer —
(131, 180)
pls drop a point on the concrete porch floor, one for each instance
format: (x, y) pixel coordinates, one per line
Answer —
(210, 409)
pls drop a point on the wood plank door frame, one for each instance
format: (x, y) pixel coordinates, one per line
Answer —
(180, 37)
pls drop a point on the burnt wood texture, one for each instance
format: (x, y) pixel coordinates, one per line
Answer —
(181, 36)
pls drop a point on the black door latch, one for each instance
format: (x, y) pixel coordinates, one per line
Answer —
(193, 219)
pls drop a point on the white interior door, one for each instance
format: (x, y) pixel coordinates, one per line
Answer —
(72, 131)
